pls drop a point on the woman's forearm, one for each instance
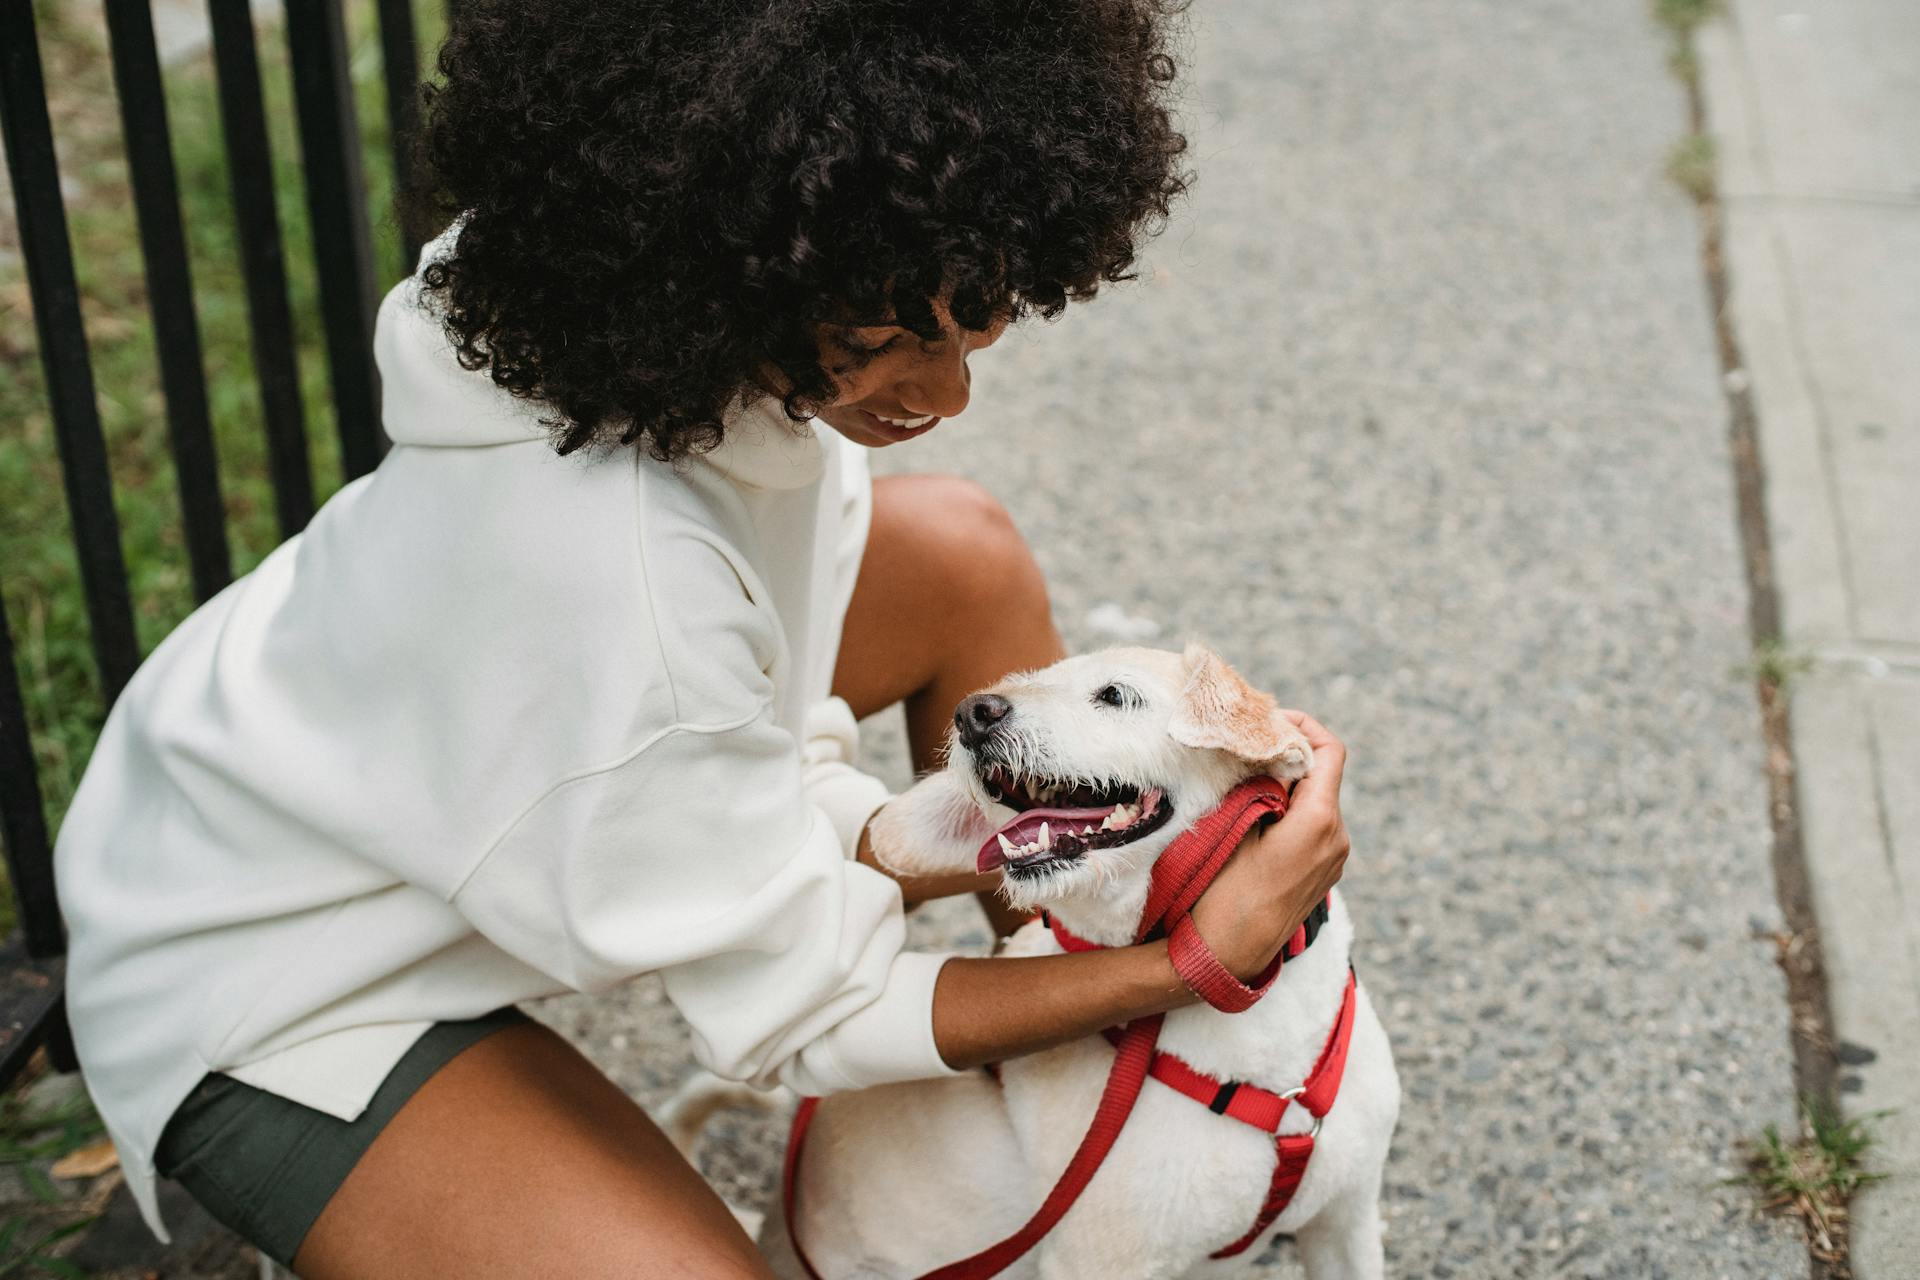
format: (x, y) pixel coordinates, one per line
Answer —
(985, 1010)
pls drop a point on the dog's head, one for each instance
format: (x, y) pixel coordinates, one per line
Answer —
(1071, 780)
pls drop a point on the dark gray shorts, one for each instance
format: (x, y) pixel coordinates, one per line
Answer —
(266, 1167)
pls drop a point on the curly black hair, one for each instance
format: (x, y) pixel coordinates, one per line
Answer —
(664, 197)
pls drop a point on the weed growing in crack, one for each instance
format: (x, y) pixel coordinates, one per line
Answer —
(1774, 665)
(1691, 165)
(1682, 18)
(1813, 1175)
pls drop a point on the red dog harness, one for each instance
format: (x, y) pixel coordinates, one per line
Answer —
(1182, 873)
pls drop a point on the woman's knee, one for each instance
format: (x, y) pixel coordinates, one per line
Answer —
(972, 545)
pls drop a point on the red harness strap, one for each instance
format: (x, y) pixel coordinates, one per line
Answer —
(1293, 1150)
(1181, 874)
(1249, 1103)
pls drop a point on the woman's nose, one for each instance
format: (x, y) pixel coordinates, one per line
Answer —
(941, 391)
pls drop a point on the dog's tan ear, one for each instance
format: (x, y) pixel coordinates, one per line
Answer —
(934, 828)
(1221, 711)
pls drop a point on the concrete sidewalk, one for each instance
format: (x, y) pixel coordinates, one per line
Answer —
(1815, 110)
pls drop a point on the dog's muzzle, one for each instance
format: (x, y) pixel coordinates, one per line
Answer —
(979, 717)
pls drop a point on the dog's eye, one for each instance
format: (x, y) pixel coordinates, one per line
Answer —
(1116, 695)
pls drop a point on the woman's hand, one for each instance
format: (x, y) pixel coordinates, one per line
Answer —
(1281, 872)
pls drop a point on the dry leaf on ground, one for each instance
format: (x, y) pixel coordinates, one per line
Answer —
(88, 1162)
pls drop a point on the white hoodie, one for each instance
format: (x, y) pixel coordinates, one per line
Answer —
(499, 724)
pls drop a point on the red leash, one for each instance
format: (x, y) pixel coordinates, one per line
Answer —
(1180, 876)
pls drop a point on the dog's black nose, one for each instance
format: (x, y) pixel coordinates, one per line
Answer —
(978, 716)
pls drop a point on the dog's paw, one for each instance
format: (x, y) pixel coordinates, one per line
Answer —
(934, 828)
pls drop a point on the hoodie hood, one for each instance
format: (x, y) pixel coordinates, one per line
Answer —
(428, 399)
(426, 396)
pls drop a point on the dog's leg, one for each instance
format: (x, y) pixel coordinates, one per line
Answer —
(1342, 1241)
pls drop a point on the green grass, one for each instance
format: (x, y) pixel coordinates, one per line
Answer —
(1682, 18)
(1813, 1175)
(31, 1140)
(40, 586)
(1691, 165)
(1775, 664)
(33, 1257)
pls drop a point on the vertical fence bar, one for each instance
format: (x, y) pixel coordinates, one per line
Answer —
(400, 59)
(256, 213)
(336, 203)
(176, 330)
(63, 346)
(23, 823)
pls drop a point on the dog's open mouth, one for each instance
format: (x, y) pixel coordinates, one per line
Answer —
(1058, 821)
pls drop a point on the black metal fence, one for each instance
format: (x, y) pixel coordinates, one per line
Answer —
(30, 960)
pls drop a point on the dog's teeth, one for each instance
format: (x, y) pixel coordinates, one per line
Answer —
(1046, 837)
(1006, 846)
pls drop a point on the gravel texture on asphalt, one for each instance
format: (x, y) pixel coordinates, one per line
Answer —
(1414, 415)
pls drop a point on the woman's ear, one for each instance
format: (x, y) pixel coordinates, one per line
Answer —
(935, 828)
(1220, 711)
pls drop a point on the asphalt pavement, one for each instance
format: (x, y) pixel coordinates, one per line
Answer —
(1415, 414)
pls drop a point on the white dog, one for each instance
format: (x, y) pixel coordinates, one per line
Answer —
(1123, 749)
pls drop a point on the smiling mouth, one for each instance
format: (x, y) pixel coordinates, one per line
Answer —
(1058, 821)
(904, 426)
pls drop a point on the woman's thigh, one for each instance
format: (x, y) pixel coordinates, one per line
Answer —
(948, 600)
(519, 1159)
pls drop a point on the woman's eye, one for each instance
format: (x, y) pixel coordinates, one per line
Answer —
(1113, 696)
(865, 352)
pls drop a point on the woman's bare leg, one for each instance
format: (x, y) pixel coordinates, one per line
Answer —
(519, 1159)
(949, 600)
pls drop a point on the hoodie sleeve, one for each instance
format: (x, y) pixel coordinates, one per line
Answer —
(715, 852)
(845, 795)
(700, 856)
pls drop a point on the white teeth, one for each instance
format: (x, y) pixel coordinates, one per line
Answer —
(1006, 846)
(906, 422)
(1087, 830)
(1046, 837)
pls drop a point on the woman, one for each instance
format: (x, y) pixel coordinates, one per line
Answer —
(564, 692)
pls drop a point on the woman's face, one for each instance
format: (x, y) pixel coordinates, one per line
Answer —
(888, 378)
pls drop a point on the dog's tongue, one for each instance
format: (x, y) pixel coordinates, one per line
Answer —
(1023, 829)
